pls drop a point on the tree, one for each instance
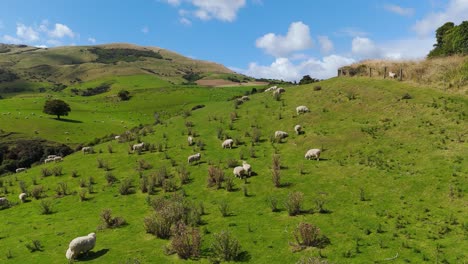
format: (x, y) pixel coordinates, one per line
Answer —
(124, 95)
(56, 107)
(307, 79)
(451, 40)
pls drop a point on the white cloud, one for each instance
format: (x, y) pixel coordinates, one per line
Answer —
(402, 11)
(298, 38)
(92, 40)
(145, 30)
(456, 11)
(284, 69)
(185, 21)
(41, 46)
(326, 45)
(411, 48)
(26, 33)
(365, 48)
(172, 2)
(54, 42)
(60, 31)
(224, 10)
(11, 40)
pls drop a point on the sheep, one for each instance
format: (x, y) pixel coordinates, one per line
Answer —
(298, 129)
(80, 245)
(138, 146)
(271, 89)
(392, 74)
(48, 160)
(190, 140)
(58, 158)
(228, 143)
(239, 171)
(247, 167)
(195, 157)
(281, 134)
(279, 91)
(313, 153)
(51, 156)
(20, 170)
(3, 201)
(22, 197)
(302, 109)
(87, 150)
(116, 137)
(245, 98)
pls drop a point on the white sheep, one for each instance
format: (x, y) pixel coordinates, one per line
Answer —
(279, 91)
(313, 153)
(302, 109)
(138, 146)
(298, 129)
(271, 89)
(195, 157)
(58, 158)
(239, 171)
(20, 170)
(247, 167)
(51, 156)
(245, 98)
(228, 143)
(116, 137)
(190, 140)
(80, 245)
(392, 74)
(22, 197)
(48, 160)
(87, 150)
(3, 201)
(281, 134)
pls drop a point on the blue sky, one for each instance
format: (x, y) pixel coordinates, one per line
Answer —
(261, 38)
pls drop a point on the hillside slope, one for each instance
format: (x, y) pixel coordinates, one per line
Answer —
(390, 185)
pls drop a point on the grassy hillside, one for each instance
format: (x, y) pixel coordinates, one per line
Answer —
(447, 73)
(391, 179)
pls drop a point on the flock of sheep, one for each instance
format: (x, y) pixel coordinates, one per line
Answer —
(85, 243)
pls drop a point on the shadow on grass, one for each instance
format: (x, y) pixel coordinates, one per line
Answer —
(244, 256)
(94, 255)
(68, 120)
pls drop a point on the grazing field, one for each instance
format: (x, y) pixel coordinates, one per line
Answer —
(390, 184)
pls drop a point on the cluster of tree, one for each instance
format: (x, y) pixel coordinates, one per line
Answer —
(191, 77)
(7, 76)
(307, 79)
(451, 40)
(114, 55)
(124, 95)
(92, 90)
(24, 153)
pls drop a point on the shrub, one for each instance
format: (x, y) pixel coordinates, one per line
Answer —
(317, 88)
(110, 222)
(23, 187)
(62, 189)
(229, 183)
(124, 95)
(223, 207)
(46, 207)
(157, 225)
(169, 185)
(74, 173)
(126, 187)
(82, 194)
(215, 177)
(37, 192)
(256, 134)
(144, 184)
(110, 178)
(57, 171)
(308, 235)
(273, 203)
(34, 246)
(225, 247)
(110, 149)
(276, 177)
(231, 163)
(143, 165)
(406, 96)
(294, 203)
(184, 174)
(186, 243)
(312, 260)
(46, 172)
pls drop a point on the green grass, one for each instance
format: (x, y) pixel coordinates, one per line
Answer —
(406, 158)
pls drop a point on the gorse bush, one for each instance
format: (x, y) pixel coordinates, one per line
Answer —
(294, 203)
(225, 247)
(308, 235)
(110, 222)
(186, 242)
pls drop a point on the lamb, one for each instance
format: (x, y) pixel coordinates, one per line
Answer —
(239, 171)
(313, 153)
(228, 143)
(58, 158)
(193, 158)
(20, 170)
(190, 140)
(48, 160)
(302, 109)
(138, 146)
(87, 150)
(247, 167)
(80, 245)
(22, 197)
(392, 74)
(281, 134)
(298, 129)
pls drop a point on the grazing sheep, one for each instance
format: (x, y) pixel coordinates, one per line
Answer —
(302, 109)
(228, 143)
(3, 201)
(20, 170)
(245, 98)
(313, 153)
(281, 134)
(298, 129)
(80, 245)
(51, 156)
(239, 171)
(48, 160)
(58, 158)
(392, 75)
(138, 146)
(190, 140)
(22, 197)
(247, 167)
(116, 137)
(193, 158)
(279, 91)
(87, 150)
(271, 89)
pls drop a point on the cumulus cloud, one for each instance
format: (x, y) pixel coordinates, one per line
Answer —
(456, 11)
(284, 69)
(365, 48)
(60, 31)
(326, 45)
(224, 10)
(26, 33)
(298, 38)
(10, 39)
(402, 11)
(92, 40)
(410, 48)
